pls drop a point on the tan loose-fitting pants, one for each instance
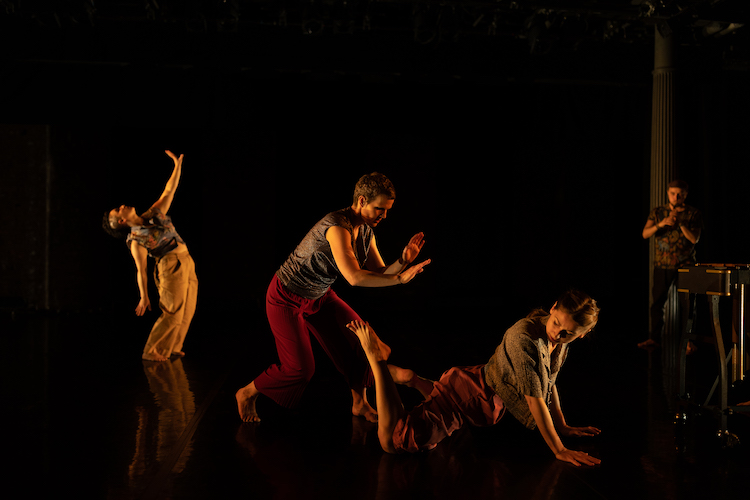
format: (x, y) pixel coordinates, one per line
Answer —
(177, 283)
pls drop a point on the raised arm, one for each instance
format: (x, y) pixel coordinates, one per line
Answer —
(140, 256)
(343, 253)
(165, 200)
(546, 427)
(410, 252)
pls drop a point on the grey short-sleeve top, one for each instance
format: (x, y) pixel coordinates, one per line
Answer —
(522, 366)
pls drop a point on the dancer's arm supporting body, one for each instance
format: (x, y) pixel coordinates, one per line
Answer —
(519, 378)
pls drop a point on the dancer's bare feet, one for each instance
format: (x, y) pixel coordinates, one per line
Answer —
(181, 354)
(154, 357)
(361, 407)
(246, 398)
(371, 343)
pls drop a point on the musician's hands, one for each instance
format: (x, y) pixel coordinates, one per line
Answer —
(671, 220)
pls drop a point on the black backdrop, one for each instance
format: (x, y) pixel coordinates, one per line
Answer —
(522, 186)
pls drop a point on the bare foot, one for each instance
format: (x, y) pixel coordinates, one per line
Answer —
(246, 398)
(363, 409)
(385, 350)
(371, 344)
(154, 357)
(178, 353)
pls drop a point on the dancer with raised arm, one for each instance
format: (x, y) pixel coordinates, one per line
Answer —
(153, 234)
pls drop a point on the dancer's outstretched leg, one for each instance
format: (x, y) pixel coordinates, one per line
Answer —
(390, 407)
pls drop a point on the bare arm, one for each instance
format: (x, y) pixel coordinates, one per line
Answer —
(376, 264)
(165, 200)
(650, 229)
(343, 253)
(692, 236)
(546, 427)
(140, 256)
(561, 425)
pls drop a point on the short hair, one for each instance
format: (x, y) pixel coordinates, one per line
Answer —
(582, 308)
(678, 184)
(373, 185)
(113, 228)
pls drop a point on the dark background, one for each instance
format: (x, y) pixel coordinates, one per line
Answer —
(524, 160)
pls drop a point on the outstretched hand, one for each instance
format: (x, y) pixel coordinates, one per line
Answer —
(577, 458)
(408, 274)
(568, 431)
(412, 249)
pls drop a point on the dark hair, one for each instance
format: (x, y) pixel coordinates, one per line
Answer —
(678, 184)
(119, 231)
(373, 185)
(582, 308)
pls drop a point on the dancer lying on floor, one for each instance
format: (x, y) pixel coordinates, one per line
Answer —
(520, 377)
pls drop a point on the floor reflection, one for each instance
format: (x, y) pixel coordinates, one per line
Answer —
(467, 465)
(103, 430)
(158, 440)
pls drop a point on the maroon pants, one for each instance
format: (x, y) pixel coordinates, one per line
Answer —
(460, 396)
(293, 319)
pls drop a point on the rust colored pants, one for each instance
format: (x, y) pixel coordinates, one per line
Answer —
(460, 396)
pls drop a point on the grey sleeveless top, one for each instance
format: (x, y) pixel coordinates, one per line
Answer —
(310, 270)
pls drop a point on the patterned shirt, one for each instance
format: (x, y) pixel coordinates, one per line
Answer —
(523, 366)
(311, 269)
(671, 248)
(158, 236)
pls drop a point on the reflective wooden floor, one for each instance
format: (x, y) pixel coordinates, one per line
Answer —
(84, 416)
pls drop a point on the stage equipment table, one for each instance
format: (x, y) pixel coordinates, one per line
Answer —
(716, 281)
